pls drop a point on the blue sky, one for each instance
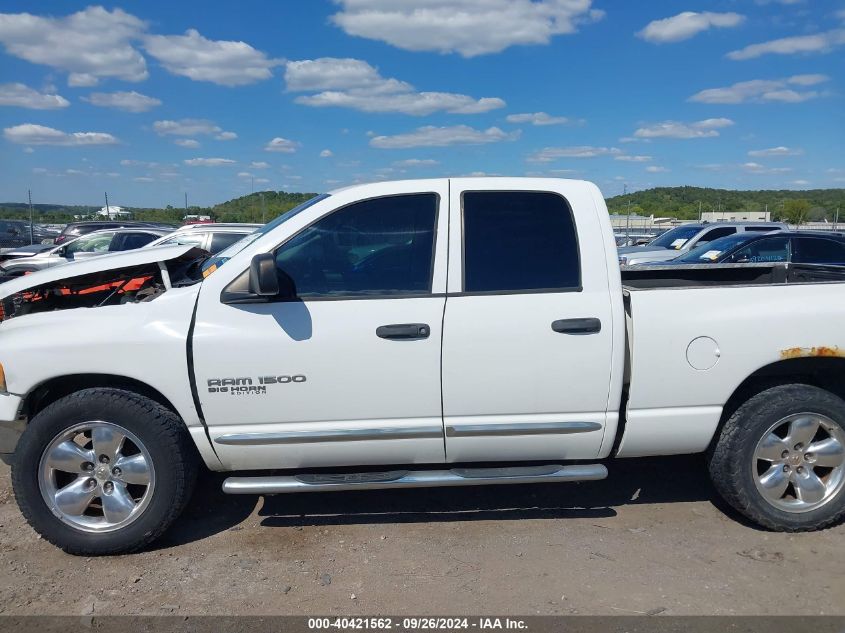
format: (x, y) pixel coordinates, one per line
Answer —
(149, 100)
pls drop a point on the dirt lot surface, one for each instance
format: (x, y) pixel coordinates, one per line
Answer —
(650, 539)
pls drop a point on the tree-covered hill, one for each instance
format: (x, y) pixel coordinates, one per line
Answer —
(683, 202)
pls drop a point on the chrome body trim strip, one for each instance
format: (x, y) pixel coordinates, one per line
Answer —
(525, 428)
(335, 435)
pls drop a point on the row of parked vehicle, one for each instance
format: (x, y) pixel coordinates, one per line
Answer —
(81, 240)
(737, 243)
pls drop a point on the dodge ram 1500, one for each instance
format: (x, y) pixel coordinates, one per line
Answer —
(446, 332)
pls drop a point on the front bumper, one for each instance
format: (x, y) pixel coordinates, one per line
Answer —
(11, 424)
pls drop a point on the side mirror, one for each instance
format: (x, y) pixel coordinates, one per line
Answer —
(263, 280)
(267, 280)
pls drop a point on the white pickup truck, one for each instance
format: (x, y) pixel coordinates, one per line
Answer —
(418, 333)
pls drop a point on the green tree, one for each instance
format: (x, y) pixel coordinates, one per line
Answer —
(797, 211)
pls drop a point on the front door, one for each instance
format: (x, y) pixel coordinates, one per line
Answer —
(528, 335)
(349, 373)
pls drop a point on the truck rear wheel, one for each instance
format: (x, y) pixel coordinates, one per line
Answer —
(103, 471)
(780, 459)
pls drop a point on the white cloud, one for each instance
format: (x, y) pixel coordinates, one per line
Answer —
(773, 152)
(187, 142)
(280, 144)
(633, 159)
(431, 136)
(23, 96)
(656, 169)
(548, 154)
(192, 127)
(468, 27)
(244, 174)
(757, 168)
(416, 162)
(208, 162)
(259, 164)
(218, 61)
(676, 129)
(128, 162)
(800, 182)
(763, 90)
(353, 83)
(31, 134)
(538, 118)
(143, 179)
(686, 25)
(128, 101)
(816, 43)
(326, 153)
(91, 44)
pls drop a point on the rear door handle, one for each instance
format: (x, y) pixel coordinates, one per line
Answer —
(404, 331)
(588, 325)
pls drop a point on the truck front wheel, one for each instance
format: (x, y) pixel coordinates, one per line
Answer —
(780, 458)
(103, 471)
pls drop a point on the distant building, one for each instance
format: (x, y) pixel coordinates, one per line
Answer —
(113, 213)
(736, 216)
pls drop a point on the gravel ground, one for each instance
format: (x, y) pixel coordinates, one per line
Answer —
(650, 539)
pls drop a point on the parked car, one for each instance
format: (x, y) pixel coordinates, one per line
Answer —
(17, 233)
(89, 245)
(212, 238)
(24, 251)
(685, 237)
(447, 332)
(75, 229)
(801, 247)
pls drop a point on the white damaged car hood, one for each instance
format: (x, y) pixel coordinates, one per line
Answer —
(113, 261)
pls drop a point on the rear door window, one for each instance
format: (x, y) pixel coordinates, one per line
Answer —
(219, 241)
(519, 241)
(715, 234)
(818, 250)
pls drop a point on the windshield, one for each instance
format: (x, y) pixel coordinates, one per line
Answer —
(676, 238)
(711, 251)
(228, 253)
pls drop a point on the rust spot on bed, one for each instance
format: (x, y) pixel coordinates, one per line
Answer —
(807, 352)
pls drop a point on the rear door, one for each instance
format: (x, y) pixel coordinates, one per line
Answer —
(528, 330)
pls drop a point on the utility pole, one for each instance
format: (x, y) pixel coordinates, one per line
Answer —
(627, 215)
(108, 211)
(31, 229)
(836, 218)
(263, 209)
(699, 210)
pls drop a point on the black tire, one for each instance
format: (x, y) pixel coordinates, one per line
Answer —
(731, 461)
(162, 433)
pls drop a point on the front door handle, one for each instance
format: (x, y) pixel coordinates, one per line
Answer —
(404, 331)
(588, 325)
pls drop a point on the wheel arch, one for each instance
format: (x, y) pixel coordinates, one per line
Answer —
(825, 372)
(58, 387)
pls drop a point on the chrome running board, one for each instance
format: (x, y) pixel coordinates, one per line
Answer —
(321, 482)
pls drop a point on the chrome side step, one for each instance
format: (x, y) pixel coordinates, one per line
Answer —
(412, 479)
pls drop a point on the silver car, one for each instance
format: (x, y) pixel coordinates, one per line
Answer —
(89, 245)
(209, 237)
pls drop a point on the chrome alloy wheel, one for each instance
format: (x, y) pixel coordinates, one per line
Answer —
(799, 464)
(96, 477)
